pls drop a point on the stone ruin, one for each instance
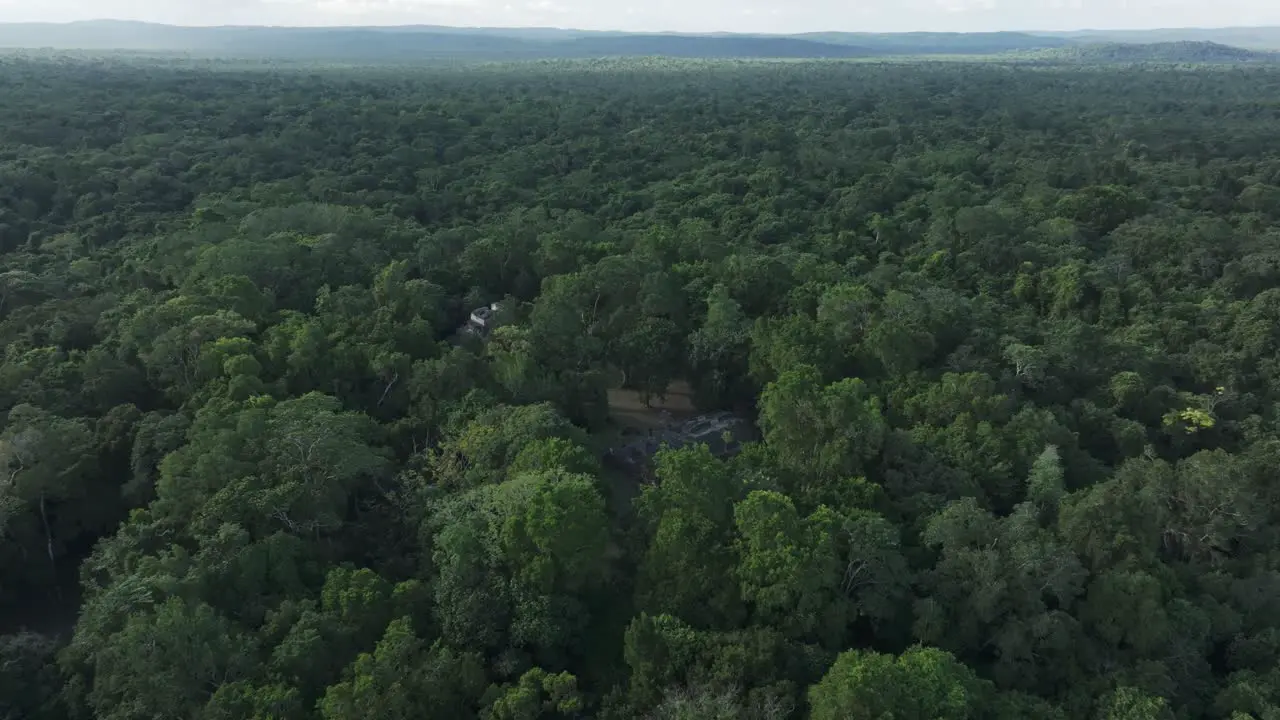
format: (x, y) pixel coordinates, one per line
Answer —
(480, 322)
(722, 432)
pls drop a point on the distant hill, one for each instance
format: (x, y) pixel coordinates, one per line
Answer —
(353, 43)
(686, 46)
(1161, 52)
(407, 43)
(1250, 38)
(429, 42)
(926, 43)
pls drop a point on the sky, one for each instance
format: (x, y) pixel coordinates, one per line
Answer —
(780, 16)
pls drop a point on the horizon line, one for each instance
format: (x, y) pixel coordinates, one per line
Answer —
(376, 26)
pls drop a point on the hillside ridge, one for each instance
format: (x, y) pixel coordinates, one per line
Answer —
(1180, 51)
(424, 42)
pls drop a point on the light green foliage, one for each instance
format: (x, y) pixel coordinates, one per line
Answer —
(517, 559)
(845, 313)
(780, 344)
(554, 453)
(812, 576)
(670, 660)
(955, 394)
(314, 641)
(538, 694)
(243, 700)
(1045, 484)
(1127, 703)
(921, 684)
(1007, 330)
(1191, 420)
(1249, 694)
(178, 342)
(484, 449)
(687, 567)
(167, 662)
(821, 431)
(406, 679)
(719, 349)
(270, 466)
(1127, 388)
(780, 552)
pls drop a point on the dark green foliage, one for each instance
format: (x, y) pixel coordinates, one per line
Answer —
(1006, 338)
(1184, 51)
(30, 683)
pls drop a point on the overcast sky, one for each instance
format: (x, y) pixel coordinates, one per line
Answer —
(688, 15)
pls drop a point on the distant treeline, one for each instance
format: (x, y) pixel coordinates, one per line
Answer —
(417, 43)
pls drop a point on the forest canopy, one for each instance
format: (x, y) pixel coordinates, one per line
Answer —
(321, 391)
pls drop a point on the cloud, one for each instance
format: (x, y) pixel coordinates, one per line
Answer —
(960, 6)
(546, 6)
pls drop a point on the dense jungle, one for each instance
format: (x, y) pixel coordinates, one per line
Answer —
(1000, 343)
